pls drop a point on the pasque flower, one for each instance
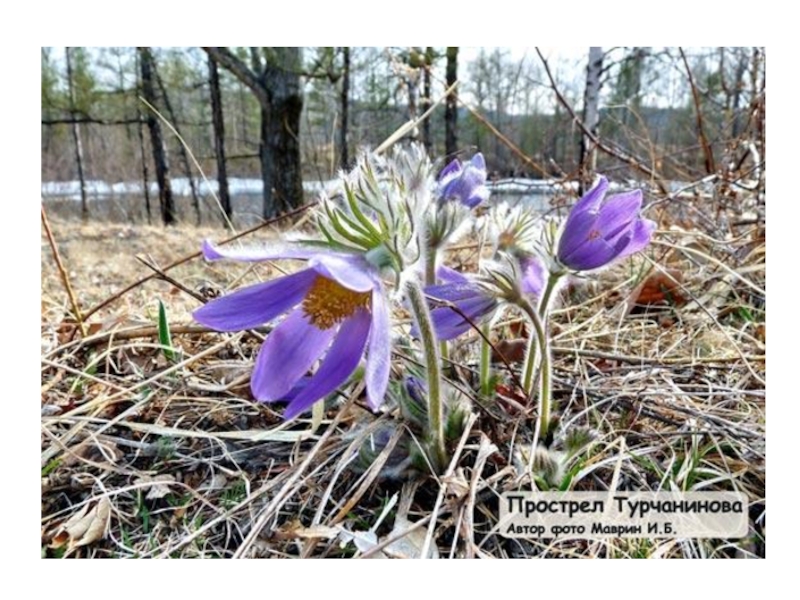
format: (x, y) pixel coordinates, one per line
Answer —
(471, 300)
(599, 230)
(335, 310)
(474, 300)
(464, 183)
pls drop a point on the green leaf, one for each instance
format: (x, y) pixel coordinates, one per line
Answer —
(164, 337)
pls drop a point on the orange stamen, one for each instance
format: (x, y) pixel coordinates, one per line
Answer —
(328, 302)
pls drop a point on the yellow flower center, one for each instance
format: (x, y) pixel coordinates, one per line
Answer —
(328, 302)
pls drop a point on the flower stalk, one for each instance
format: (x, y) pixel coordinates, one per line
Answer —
(430, 348)
(545, 371)
(486, 362)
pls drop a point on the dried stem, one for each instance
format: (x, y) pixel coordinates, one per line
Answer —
(76, 311)
(709, 154)
(194, 255)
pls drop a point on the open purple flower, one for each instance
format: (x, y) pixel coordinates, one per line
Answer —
(464, 183)
(336, 310)
(599, 231)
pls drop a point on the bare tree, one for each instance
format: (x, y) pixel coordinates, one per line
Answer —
(219, 138)
(426, 98)
(76, 136)
(344, 101)
(274, 79)
(591, 116)
(451, 104)
(160, 156)
(181, 148)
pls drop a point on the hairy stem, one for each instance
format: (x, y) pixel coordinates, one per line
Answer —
(430, 347)
(531, 356)
(545, 371)
(486, 362)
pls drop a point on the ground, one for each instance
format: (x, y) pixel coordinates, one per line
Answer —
(150, 454)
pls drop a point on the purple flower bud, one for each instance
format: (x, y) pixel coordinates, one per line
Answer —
(599, 231)
(464, 183)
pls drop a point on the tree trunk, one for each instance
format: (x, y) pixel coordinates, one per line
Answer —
(218, 120)
(282, 78)
(426, 99)
(591, 116)
(76, 136)
(181, 148)
(277, 88)
(344, 101)
(160, 156)
(140, 131)
(451, 105)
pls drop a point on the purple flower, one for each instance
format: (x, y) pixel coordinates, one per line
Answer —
(473, 301)
(470, 298)
(464, 183)
(599, 231)
(336, 310)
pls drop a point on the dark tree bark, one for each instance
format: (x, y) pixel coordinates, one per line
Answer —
(591, 116)
(76, 136)
(160, 156)
(219, 138)
(140, 131)
(344, 102)
(181, 148)
(276, 85)
(426, 99)
(451, 105)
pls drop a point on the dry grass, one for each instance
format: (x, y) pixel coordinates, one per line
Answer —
(146, 457)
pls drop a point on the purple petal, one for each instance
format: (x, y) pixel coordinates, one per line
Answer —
(453, 292)
(593, 253)
(257, 304)
(479, 162)
(618, 213)
(340, 361)
(449, 323)
(533, 275)
(449, 275)
(379, 354)
(642, 232)
(287, 354)
(591, 200)
(452, 169)
(478, 196)
(575, 233)
(352, 272)
(257, 253)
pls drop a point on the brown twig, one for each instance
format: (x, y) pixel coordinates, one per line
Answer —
(707, 151)
(194, 255)
(442, 303)
(617, 153)
(507, 142)
(171, 280)
(76, 311)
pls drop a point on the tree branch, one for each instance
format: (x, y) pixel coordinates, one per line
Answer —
(709, 155)
(241, 71)
(617, 153)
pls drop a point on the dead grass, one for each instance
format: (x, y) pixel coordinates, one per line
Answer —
(147, 457)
